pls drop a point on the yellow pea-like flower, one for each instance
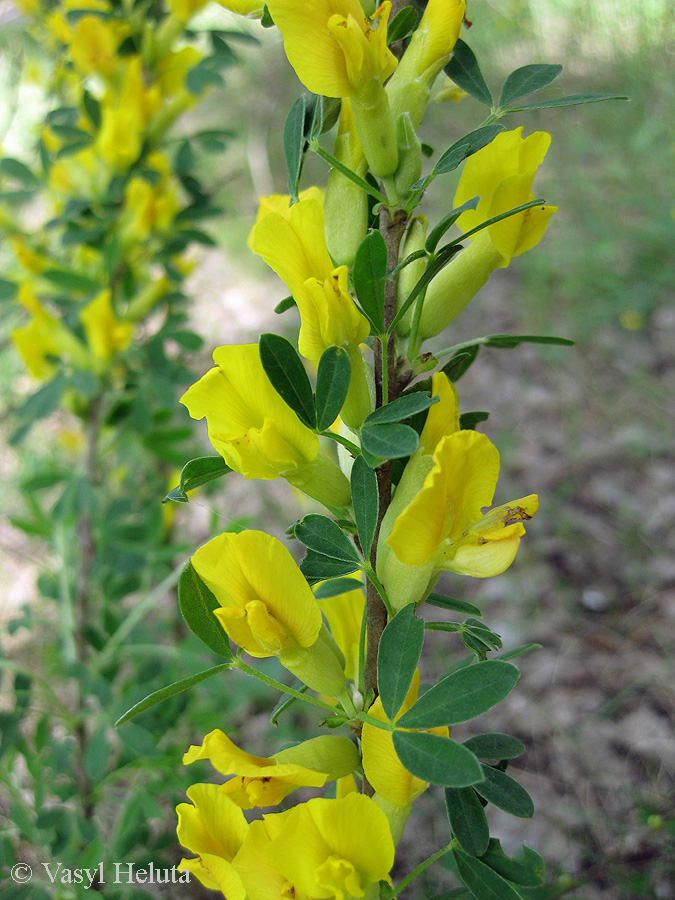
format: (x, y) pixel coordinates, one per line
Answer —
(339, 51)
(94, 43)
(501, 174)
(267, 607)
(443, 528)
(265, 781)
(106, 334)
(338, 848)
(292, 242)
(213, 827)
(428, 51)
(256, 432)
(184, 10)
(252, 8)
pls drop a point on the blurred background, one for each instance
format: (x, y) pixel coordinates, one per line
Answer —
(591, 429)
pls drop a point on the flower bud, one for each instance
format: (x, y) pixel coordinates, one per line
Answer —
(409, 155)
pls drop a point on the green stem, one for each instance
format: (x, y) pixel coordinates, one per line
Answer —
(416, 872)
(278, 686)
(336, 164)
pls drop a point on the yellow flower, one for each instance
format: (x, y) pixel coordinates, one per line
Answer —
(94, 44)
(262, 781)
(334, 47)
(428, 51)
(443, 529)
(215, 828)
(381, 765)
(106, 334)
(338, 51)
(293, 244)
(291, 241)
(148, 208)
(256, 432)
(334, 849)
(37, 343)
(249, 424)
(344, 614)
(184, 10)
(251, 8)
(267, 607)
(501, 174)
(173, 68)
(28, 258)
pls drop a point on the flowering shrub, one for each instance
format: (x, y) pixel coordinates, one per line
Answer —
(412, 495)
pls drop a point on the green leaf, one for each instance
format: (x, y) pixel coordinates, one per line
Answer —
(460, 362)
(527, 80)
(295, 144)
(519, 651)
(401, 408)
(402, 24)
(468, 820)
(483, 883)
(317, 567)
(469, 420)
(286, 702)
(571, 100)
(170, 691)
(389, 441)
(8, 289)
(397, 657)
(451, 603)
(332, 383)
(504, 792)
(464, 70)
(365, 498)
(466, 146)
(14, 168)
(266, 20)
(92, 108)
(337, 586)
(71, 281)
(436, 759)
(44, 401)
(324, 536)
(462, 696)
(285, 370)
(495, 746)
(195, 473)
(283, 305)
(446, 223)
(526, 869)
(96, 755)
(197, 604)
(509, 341)
(370, 271)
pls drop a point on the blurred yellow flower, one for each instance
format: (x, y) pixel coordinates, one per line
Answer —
(106, 334)
(94, 43)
